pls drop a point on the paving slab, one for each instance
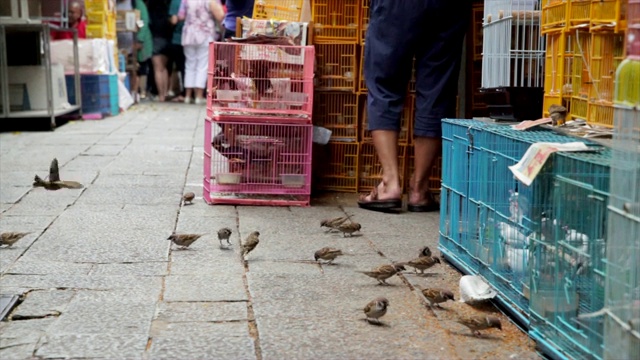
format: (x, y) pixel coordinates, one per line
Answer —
(95, 346)
(186, 312)
(221, 287)
(43, 303)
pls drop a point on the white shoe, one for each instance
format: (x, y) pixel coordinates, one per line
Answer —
(188, 100)
(201, 101)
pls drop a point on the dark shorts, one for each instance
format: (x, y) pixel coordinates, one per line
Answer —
(144, 67)
(176, 56)
(433, 32)
(161, 46)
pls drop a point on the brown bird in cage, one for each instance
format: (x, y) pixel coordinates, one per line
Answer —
(10, 238)
(558, 114)
(53, 181)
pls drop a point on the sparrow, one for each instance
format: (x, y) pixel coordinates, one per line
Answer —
(558, 114)
(327, 253)
(184, 240)
(54, 182)
(334, 223)
(224, 234)
(382, 273)
(477, 323)
(349, 228)
(422, 263)
(437, 296)
(376, 309)
(10, 238)
(250, 243)
(188, 198)
(425, 251)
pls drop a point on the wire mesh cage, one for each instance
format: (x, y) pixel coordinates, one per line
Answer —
(260, 81)
(568, 278)
(338, 112)
(579, 13)
(336, 20)
(370, 169)
(339, 172)
(406, 120)
(362, 84)
(513, 59)
(289, 10)
(633, 14)
(257, 163)
(337, 66)
(581, 75)
(622, 305)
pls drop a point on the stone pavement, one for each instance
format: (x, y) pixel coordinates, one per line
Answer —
(98, 278)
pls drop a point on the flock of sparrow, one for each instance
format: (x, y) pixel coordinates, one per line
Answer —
(373, 311)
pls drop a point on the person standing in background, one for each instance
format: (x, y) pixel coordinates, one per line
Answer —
(197, 33)
(143, 51)
(176, 49)
(76, 21)
(161, 31)
(236, 8)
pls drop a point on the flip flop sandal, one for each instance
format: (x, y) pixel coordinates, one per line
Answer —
(388, 205)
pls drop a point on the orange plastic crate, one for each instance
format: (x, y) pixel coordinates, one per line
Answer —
(336, 20)
(370, 171)
(289, 10)
(364, 20)
(579, 12)
(338, 112)
(362, 84)
(336, 67)
(339, 171)
(406, 121)
(435, 177)
(608, 14)
(554, 15)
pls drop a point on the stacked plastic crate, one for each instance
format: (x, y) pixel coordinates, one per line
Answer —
(622, 299)
(258, 130)
(584, 47)
(336, 107)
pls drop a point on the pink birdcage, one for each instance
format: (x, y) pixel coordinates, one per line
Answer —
(257, 163)
(258, 82)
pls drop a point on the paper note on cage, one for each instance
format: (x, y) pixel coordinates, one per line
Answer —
(527, 124)
(534, 159)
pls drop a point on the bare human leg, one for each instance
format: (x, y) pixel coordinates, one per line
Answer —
(161, 75)
(426, 151)
(386, 144)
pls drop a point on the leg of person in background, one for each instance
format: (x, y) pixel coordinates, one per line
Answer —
(140, 83)
(151, 88)
(202, 63)
(190, 52)
(161, 75)
(437, 70)
(177, 76)
(387, 70)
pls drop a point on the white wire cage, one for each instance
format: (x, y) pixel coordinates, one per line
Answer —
(513, 47)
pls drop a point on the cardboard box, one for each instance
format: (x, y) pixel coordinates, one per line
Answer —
(127, 20)
(33, 77)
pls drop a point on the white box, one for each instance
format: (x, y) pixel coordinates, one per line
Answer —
(93, 55)
(34, 78)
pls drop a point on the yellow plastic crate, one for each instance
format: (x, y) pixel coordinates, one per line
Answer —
(336, 20)
(370, 171)
(608, 14)
(406, 121)
(554, 15)
(579, 12)
(601, 114)
(581, 73)
(338, 112)
(339, 168)
(97, 31)
(96, 17)
(96, 5)
(336, 66)
(579, 108)
(289, 10)
(559, 59)
(607, 52)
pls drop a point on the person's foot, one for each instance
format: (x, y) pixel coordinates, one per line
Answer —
(200, 101)
(187, 100)
(420, 199)
(382, 198)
